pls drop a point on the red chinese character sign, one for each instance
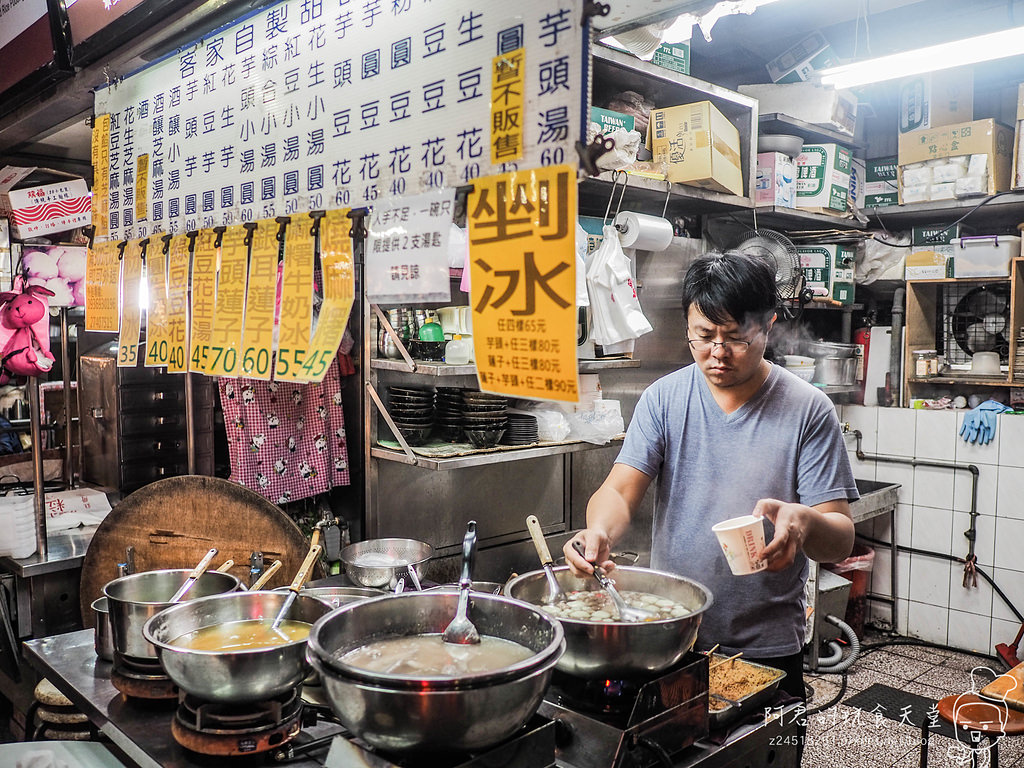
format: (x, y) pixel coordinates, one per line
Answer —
(523, 282)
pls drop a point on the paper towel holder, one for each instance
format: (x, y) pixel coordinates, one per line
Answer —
(622, 194)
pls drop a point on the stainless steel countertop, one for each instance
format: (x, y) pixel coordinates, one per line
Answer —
(876, 498)
(141, 733)
(65, 551)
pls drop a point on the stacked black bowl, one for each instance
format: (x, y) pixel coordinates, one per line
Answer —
(484, 417)
(412, 410)
(448, 413)
(522, 430)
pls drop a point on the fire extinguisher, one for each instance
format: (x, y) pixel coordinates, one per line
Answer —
(862, 340)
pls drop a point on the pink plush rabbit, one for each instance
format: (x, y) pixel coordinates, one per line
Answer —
(24, 322)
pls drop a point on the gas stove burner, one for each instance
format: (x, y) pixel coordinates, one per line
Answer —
(141, 679)
(215, 728)
(599, 696)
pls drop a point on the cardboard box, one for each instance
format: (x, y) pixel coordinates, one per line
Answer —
(978, 137)
(674, 57)
(928, 265)
(610, 121)
(812, 54)
(776, 180)
(857, 171)
(699, 145)
(37, 208)
(811, 102)
(829, 267)
(1017, 177)
(823, 178)
(881, 186)
(935, 99)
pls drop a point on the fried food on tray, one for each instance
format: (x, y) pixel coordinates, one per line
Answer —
(736, 679)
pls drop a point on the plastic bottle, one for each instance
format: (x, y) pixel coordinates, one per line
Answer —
(458, 351)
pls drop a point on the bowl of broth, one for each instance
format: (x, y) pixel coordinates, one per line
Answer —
(224, 648)
(393, 682)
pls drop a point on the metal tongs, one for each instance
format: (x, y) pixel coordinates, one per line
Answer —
(626, 612)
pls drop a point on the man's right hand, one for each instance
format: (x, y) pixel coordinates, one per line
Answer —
(597, 546)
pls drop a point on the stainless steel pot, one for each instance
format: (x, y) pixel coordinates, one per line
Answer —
(380, 562)
(103, 640)
(835, 371)
(621, 649)
(831, 349)
(339, 595)
(252, 674)
(133, 600)
(434, 714)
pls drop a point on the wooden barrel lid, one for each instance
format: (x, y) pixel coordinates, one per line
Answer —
(173, 522)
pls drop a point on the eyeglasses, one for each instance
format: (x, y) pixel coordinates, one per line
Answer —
(705, 345)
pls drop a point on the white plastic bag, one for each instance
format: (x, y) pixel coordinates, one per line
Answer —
(597, 425)
(616, 309)
(552, 425)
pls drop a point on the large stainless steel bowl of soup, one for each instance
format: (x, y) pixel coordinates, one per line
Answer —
(601, 646)
(222, 648)
(133, 600)
(391, 680)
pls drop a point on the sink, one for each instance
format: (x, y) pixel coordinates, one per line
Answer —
(876, 498)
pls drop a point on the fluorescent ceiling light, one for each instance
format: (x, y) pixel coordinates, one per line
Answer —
(997, 45)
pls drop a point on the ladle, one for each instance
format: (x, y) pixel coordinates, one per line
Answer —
(296, 585)
(626, 612)
(414, 578)
(461, 629)
(555, 592)
(198, 571)
(265, 576)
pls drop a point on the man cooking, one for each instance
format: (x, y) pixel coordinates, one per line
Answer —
(729, 436)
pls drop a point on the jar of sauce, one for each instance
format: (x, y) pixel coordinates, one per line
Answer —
(926, 363)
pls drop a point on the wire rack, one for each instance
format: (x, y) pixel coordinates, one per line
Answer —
(973, 318)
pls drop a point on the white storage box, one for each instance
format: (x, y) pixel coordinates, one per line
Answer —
(984, 255)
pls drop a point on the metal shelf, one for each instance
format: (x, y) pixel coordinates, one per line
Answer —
(442, 369)
(487, 456)
(776, 122)
(838, 389)
(798, 219)
(974, 381)
(594, 192)
(1006, 206)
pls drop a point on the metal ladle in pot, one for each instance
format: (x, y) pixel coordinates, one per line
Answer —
(296, 585)
(555, 592)
(626, 612)
(198, 571)
(461, 629)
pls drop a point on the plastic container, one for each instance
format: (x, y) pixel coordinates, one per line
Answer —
(857, 570)
(926, 363)
(459, 350)
(984, 255)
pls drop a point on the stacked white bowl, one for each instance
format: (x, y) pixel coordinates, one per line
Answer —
(17, 526)
(801, 366)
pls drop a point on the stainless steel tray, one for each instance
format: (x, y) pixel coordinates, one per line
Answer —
(719, 718)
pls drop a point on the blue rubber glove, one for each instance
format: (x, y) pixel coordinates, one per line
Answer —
(979, 425)
(972, 424)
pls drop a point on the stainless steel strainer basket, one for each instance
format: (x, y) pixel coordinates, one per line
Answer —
(377, 562)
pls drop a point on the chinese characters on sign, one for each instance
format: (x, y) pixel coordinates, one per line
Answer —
(296, 303)
(308, 105)
(407, 248)
(102, 272)
(523, 278)
(131, 320)
(261, 301)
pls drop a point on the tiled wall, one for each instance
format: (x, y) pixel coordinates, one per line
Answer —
(933, 514)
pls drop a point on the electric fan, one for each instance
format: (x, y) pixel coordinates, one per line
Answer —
(779, 249)
(978, 320)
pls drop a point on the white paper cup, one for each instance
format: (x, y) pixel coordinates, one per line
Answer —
(741, 539)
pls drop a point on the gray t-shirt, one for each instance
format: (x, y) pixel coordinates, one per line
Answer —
(784, 443)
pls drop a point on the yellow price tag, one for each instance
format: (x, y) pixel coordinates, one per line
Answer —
(179, 259)
(296, 302)
(508, 86)
(339, 293)
(522, 263)
(261, 301)
(102, 273)
(131, 280)
(156, 314)
(226, 337)
(141, 187)
(204, 295)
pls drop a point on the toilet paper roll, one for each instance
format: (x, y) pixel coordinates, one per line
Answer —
(643, 232)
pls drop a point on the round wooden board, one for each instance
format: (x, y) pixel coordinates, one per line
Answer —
(172, 523)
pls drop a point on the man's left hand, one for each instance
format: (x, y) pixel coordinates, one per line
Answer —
(790, 531)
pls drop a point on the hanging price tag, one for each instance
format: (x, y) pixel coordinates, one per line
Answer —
(100, 171)
(204, 294)
(156, 312)
(141, 186)
(260, 301)
(131, 279)
(179, 260)
(523, 263)
(339, 293)
(296, 302)
(102, 273)
(230, 305)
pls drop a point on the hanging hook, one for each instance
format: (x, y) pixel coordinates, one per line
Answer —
(622, 194)
(668, 194)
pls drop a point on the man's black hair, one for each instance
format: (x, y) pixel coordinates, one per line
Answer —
(731, 286)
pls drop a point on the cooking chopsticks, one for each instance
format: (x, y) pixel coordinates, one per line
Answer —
(723, 661)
